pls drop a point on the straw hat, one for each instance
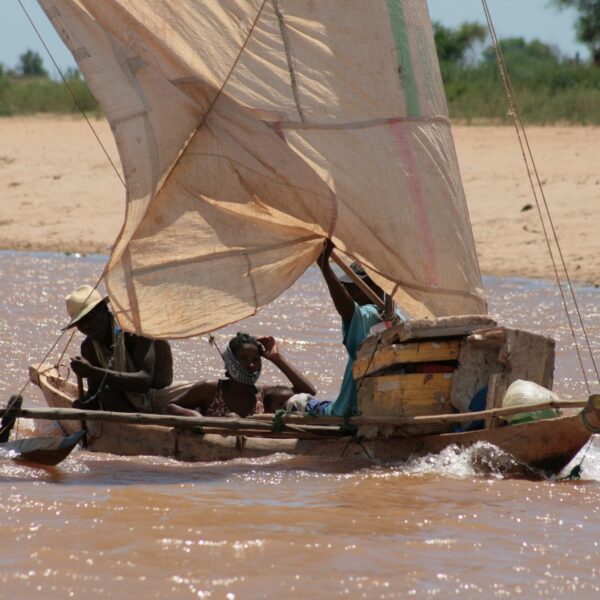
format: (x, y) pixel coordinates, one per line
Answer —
(81, 302)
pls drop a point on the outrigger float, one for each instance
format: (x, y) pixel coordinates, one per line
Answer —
(46, 451)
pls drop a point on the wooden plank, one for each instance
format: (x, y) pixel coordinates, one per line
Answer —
(496, 389)
(530, 357)
(409, 353)
(408, 396)
(405, 395)
(477, 362)
(426, 329)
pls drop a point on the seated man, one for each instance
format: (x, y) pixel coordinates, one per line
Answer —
(124, 372)
(358, 315)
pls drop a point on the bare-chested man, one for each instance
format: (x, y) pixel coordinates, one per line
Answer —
(124, 372)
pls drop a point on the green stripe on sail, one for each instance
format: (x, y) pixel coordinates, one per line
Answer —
(407, 72)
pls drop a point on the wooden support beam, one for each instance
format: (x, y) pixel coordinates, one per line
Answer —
(74, 414)
(426, 419)
(264, 422)
(411, 352)
(358, 281)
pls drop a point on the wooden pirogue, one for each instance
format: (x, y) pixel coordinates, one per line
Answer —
(353, 145)
(403, 414)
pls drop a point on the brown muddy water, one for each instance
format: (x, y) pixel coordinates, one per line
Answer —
(100, 526)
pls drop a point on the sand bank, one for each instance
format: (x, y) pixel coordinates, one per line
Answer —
(60, 193)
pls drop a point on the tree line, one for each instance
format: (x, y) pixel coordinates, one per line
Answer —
(27, 89)
(549, 87)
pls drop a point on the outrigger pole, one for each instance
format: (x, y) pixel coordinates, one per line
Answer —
(293, 424)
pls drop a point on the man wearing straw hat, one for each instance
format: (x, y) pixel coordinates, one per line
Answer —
(125, 372)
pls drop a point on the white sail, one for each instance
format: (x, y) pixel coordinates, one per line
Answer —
(250, 130)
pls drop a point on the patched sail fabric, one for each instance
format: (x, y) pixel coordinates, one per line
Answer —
(250, 130)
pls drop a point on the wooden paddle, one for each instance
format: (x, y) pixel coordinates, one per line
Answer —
(10, 416)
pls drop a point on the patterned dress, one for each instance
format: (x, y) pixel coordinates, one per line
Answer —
(218, 407)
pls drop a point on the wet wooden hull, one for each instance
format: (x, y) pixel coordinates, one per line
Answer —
(546, 445)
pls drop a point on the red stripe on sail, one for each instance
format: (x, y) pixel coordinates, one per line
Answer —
(400, 133)
(278, 129)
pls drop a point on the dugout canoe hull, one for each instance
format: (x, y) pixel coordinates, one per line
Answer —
(545, 446)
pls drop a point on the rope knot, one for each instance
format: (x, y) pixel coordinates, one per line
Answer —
(278, 424)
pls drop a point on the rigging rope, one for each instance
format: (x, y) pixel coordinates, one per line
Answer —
(532, 167)
(77, 104)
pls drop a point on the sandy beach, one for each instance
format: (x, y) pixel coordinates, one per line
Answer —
(60, 193)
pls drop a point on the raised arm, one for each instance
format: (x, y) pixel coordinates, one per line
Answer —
(299, 382)
(341, 298)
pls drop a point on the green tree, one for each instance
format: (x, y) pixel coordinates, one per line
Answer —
(31, 65)
(453, 45)
(532, 64)
(524, 55)
(72, 73)
(588, 23)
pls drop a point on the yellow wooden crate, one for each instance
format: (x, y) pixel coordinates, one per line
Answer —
(410, 353)
(405, 396)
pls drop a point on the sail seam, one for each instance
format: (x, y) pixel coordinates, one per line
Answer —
(435, 290)
(252, 282)
(285, 38)
(127, 65)
(134, 307)
(214, 101)
(406, 69)
(360, 124)
(219, 255)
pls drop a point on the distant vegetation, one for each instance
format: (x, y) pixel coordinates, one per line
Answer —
(550, 88)
(588, 23)
(28, 90)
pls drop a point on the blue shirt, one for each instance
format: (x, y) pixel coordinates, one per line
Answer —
(355, 331)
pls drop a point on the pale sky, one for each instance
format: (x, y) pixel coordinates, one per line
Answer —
(513, 18)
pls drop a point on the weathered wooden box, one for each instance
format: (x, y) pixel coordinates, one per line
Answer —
(437, 367)
(408, 379)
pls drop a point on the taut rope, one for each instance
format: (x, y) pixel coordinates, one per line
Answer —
(77, 104)
(531, 171)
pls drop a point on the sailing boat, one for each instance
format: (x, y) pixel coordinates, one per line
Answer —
(251, 130)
